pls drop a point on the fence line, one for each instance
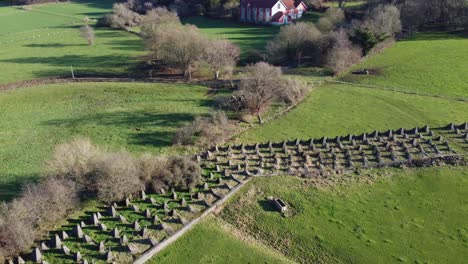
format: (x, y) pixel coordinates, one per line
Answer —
(399, 90)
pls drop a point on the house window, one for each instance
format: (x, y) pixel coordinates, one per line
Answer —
(279, 6)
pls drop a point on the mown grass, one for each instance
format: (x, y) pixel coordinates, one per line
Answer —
(41, 44)
(430, 63)
(137, 117)
(335, 109)
(247, 36)
(415, 216)
(209, 242)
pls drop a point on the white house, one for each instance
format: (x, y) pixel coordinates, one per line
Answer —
(274, 12)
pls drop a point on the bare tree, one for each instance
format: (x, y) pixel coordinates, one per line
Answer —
(117, 177)
(343, 53)
(221, 55)
(378, 24)
(74, 161)
(87, 33)
(294, 42)
(332, 18)
(153, 28)
(262, 86)
(182, 47)
(382, 20)
(121, 17)
(205, 130)
(184, 173)
(40, 206)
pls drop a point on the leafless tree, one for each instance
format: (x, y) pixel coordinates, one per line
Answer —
(153, 28)
(39, 207)
(332, 18)
(184, 173)
(379, 24)
(294, 42)
(117, 177)
(87, 33)
(121, 17)
(205, 130)
(261, 87)
(182, 48)
(295, 91)
(169, 172)
(343, 53)
(382, 20)
(221, 55)
(74, 161)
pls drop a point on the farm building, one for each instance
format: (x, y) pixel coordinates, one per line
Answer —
(274, 12)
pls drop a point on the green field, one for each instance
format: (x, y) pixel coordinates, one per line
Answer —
(247, 37)
(45, 42)
(335, 109)
(429, 63)
(411, 217)
(15, 20)
(209, 242)
(138, 117)
(348, 4)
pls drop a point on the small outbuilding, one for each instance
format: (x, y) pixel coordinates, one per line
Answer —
(279, 204)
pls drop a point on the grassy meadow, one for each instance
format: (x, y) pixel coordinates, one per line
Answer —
(212, 242)
(429, 63)
(45, 41)
(336, 109)
(409, 216)
(137, 117)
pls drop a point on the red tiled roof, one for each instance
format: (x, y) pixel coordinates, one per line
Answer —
(289, 4)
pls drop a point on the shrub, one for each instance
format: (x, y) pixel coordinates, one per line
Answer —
(74, 161)
(378, 24)
(295, 43)
(16, 234)
(39, 207)
(212, 129)
(153, 171)
(153, 28)
(172, 172)
(295, 91)
(116, 177)
(343, 53)
(87, 33)
(184, 173)
(332, 18)
(121, 17)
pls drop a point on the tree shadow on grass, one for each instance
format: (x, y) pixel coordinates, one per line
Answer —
(11, 188)
(267, 206)
(53, 45)
(142, 128)
(79, 60)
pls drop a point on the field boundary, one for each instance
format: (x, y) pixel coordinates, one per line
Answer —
(59, 79)
(165, 243)
(398, 90)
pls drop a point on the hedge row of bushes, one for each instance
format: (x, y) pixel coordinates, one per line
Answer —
(77, 171)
